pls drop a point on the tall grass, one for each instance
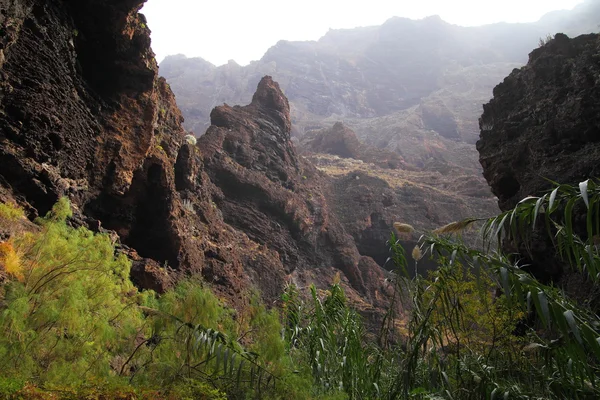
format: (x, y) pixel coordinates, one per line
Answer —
(480, 326)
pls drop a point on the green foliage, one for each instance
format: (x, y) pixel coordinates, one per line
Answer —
(560, 357)
(480, 326)
(10, 211)
(576, 244)
(66, 310)
(10, 386)
(190, 341)
(71, 317)
(466, 311)
(330, 338)
(59, 212)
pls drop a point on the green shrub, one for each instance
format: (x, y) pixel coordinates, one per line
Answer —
(63, 320)
(72, 323)
(559, 355)
(71, 316)
(10, 211)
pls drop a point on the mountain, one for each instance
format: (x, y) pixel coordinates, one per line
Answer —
(409, 88)
(370, 189)
(543, 125)
(84, 114)
(429, 75)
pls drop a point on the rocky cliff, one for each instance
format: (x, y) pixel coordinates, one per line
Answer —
(84, 114)
(544, 121)
(370, 189)
(544, 124)
(264, 189)
(436, 73)
(339, 140)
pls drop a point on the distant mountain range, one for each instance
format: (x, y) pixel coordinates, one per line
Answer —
(409, 86)
(409, 94)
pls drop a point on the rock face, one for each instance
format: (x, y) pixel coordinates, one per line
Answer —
(339, 140)
(544, 121)
(84, 114)
(262, 188)
(368, 199)
(369, 189)
(437, 72)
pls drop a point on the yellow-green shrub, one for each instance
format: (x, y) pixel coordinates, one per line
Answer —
(64, 320)
(10, 211)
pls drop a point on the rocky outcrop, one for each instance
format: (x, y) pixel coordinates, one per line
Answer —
(544, 121)
(368, 200)
(339, 140)
(264, 189)
(544, 124)
(84, 114)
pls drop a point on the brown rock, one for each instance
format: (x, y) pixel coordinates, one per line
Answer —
(84, 114)
(544, 121)
(341, 141)
(265, 190)
(544, 124)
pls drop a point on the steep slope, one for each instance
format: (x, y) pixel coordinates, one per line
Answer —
(439, 73)
(84, 114)
(544, 123)
(265, 190)
(370, 189)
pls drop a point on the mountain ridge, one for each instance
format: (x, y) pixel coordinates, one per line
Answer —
(363, 74)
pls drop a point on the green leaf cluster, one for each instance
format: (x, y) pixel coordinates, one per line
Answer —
(72, 325)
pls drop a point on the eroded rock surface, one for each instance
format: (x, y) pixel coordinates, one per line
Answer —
(544, 124)
(263, 188)
(340, 140)
(84, 114)
(544, 121)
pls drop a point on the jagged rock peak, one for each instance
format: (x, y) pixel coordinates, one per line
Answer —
(269, 96)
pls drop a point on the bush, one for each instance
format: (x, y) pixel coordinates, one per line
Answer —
(63, 320)
(71, 322)
(480, 326)
(10, 212)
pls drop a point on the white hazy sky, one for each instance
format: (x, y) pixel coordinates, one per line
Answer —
(242, 30)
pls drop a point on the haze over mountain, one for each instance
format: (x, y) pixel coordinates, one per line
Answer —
(414, 87)
(211, 30)
(256, 260)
